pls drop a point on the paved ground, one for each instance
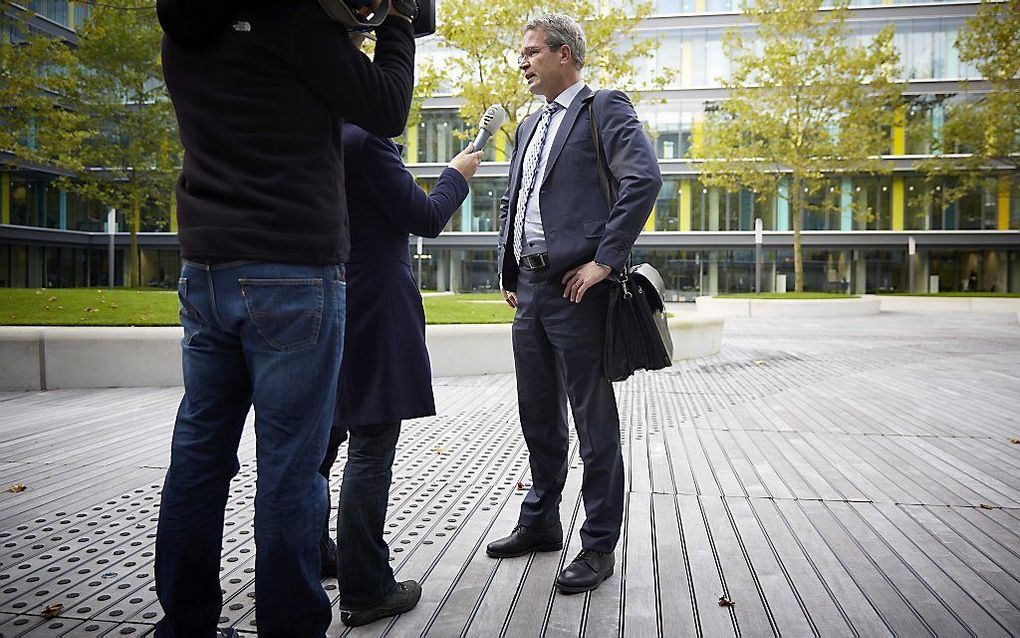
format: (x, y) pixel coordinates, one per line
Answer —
(831, 477)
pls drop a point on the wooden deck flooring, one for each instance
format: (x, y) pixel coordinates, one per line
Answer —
(836, 477)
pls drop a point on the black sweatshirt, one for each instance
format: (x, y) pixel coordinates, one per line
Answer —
(261, 92)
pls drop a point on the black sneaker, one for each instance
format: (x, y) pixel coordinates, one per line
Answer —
(403, 599)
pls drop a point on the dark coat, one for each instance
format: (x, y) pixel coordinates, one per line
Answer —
(579, 225)
(385, 375)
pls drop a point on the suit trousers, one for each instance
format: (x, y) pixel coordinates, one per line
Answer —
(558, 358)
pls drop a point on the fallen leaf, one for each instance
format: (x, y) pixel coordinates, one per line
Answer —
(52, 299)
(725, 602)
(17, 487)
(520, 486)
(1015, 441)
(987, 506)
(52, 611)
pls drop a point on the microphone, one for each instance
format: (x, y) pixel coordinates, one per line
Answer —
(491, 121)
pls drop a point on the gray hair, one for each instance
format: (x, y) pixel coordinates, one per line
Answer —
(559, 30)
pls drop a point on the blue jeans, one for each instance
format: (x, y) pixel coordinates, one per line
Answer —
(364, 575)
(272, 335)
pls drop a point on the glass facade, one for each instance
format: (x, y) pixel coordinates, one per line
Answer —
(687, 7)
(926, 46)
(902, 201)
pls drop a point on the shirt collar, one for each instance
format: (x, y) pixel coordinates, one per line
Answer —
(566, 98)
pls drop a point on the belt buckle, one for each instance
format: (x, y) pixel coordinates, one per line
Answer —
(535, 262)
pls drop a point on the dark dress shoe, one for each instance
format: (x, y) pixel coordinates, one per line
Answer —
(586, 572)
(524, 540)
(327, 557)
(403, 599)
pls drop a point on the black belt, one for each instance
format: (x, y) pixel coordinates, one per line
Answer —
(534, 262)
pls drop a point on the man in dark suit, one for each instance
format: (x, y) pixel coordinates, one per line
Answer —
(559, 241)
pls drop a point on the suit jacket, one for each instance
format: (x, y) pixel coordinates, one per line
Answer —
(579, 224)
(385, 374)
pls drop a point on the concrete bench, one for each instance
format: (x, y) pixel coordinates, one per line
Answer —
(789, 308)
(48, 358)
(939, 305)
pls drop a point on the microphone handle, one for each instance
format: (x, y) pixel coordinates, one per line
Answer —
(481, 139)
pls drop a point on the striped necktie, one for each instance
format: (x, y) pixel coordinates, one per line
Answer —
(529, 174)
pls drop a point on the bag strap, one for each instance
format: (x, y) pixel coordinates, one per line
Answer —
(606, 179)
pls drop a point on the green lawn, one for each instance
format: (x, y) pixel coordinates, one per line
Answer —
(953, 294)
(98, 307)
(468, 308)
(787, 295)
(87, 307)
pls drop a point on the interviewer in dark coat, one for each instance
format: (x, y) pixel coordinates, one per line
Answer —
(385, 376)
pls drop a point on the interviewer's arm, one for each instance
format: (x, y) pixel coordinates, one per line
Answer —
(401, 199)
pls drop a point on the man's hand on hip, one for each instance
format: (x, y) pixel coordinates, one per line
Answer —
(577, 281)
(511, 297)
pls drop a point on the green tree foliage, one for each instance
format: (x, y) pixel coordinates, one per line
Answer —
(483, 40)
(803, 105)
(981, 135)
(131, 152)
(37, 124)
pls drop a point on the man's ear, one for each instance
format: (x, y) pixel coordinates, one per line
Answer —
(568, 56)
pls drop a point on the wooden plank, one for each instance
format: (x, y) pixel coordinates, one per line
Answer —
(768, 445)
(934, 565)
(741, 466)
(894, 608)
(711, 554)
(520, 593)
(834, 600)
(997, 592)
(640, 594)
(671, 568)
(786, 605)
(770, 480)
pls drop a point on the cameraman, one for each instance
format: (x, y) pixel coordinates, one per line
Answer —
(261, 91)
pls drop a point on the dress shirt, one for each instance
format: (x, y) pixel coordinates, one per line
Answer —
(534, 234)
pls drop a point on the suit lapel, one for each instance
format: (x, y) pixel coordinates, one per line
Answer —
(566, 124)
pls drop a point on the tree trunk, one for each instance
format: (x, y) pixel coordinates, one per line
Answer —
(136, 226)
(798, 253)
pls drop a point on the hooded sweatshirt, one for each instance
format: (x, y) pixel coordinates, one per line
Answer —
(261, 90)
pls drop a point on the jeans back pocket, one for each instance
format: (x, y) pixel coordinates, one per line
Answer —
(286, 312)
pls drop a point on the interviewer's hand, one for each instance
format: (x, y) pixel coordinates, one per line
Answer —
(511, 297)
(579, 280)
(466, 162)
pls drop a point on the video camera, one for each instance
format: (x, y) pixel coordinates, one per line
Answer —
(350, 13)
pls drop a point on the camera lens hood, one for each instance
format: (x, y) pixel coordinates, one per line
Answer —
(341, 12)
